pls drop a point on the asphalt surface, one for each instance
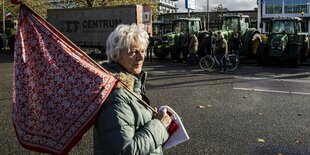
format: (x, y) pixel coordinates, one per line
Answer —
(253, 110)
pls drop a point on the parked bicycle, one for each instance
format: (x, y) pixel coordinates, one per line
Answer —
(210, 62)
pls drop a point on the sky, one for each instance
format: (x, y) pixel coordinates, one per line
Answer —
(230, 4)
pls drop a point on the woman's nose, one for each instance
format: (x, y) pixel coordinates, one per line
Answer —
(140, 55)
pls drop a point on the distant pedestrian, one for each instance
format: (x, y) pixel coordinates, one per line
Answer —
(221, 50)
(235, 44)
(11, 43)
(150, 48)
(1, 43)
(184, 47)
(209, 41)
(202, 45)
(192, 49)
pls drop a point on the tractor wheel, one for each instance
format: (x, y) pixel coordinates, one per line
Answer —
(261, 54)
(256, 39)
(294, 56)
(159, 53)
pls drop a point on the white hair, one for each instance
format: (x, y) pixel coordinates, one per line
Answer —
(122, 38)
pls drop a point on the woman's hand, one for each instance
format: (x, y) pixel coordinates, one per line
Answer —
(164, 118)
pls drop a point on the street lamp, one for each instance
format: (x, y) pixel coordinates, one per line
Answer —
(3, 25)
(208, 14)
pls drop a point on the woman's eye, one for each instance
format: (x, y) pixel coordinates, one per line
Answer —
(132, 53)
(135, 52)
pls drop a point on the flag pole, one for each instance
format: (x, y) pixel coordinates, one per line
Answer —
(89, 58)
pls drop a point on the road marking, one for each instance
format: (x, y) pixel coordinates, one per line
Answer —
(238, 88)
(271, 91)
(276, 84)
(301, 93)
(277, 78)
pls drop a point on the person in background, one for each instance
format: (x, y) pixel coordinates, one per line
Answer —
(124, 125)
(202, 45)
(150, 48)
(236, 44)
(221, 50)
(184, 47)
(211, 40)
(1, 43)
(11, 43)
(192, 49)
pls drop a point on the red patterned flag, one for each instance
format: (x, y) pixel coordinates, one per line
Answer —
(57, 90)
(15, 1)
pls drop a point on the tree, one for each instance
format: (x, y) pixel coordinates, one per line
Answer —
(65, 3)
(39, 7)
(219, 8)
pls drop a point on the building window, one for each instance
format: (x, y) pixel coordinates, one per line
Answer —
(273, 6)
(296, 6)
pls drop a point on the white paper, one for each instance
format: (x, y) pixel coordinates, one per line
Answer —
(180, 135)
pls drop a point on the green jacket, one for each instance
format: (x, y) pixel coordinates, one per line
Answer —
(124, 125)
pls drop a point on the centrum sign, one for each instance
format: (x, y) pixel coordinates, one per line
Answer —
(190, 4)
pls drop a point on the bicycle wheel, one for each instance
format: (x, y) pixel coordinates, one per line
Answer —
(206, 63)
(232, 62)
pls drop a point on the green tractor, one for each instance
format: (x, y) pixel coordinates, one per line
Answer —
(173, 42)
(285, 42)
(229, 25)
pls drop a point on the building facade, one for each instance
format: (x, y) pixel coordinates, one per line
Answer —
(268, 9)
(166, 6)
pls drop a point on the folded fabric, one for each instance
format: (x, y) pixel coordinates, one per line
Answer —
(176, 129)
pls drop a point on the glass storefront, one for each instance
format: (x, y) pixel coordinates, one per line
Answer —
(290, 6)
(274, 6)
(296, 6)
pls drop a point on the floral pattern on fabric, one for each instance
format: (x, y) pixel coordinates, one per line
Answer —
(57, 91)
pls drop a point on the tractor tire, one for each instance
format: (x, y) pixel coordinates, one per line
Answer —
(294, 56)
(158, 54)
(261, 54)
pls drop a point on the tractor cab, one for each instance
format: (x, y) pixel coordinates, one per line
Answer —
(231, 25)
(171, 43)
(187, 25)
(285, 42)
(234, 23)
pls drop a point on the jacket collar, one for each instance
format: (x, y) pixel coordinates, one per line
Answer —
(133, 82)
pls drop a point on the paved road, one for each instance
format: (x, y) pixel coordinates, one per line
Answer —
(236, 120)
(255, 110)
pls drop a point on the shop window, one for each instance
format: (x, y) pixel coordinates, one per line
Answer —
(296, 6)
(273, 6)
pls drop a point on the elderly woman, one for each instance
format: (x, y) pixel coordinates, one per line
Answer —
(125, 126)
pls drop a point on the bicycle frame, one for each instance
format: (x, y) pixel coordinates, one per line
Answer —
(208, 62)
